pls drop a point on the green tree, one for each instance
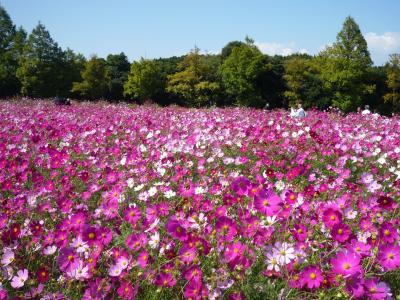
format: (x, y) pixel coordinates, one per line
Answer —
(118, 68)
(227, 50)
(144, 80)
(39, 65)
(95, 82)
(345, 67)
(393, 81)
(11, 44)
(303, 82)
(70, 71)
(239, 74)
(196, 82)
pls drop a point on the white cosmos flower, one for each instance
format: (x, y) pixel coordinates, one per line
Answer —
(279, 185)
(49, 250)
(152, 191)
(130, 182)
(138, 188)
(199, 190)
(272, 262)
(154, 240)
(284, 252)
(123, 161)
(169, 194)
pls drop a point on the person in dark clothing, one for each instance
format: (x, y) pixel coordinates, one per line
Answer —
(62, 101)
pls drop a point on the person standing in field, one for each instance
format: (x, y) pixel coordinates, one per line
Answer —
(300, 112)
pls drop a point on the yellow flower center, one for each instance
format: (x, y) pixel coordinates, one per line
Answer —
(313, 276)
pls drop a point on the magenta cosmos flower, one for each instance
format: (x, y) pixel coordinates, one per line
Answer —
(165, 280)
(346, 263)
(126, 291)
(388, 233)
(176, 230)
(331, 217)
(226, 228)
(389, 257)
(267, 202)
(312, 277)
(67, 259)
(300, 232)
(132, 215)
(340, 232)
(241, 186)
(376, 290)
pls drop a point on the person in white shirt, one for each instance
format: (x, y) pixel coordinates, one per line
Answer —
(366, 110)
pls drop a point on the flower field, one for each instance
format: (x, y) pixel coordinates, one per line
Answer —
(102, 201)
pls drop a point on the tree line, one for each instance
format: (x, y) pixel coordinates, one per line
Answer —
(342, 75)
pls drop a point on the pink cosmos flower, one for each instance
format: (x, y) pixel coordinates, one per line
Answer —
(267, 202)
(90, 235)
(132, 215)
(360, 248)
(376, 290)
(187, 189)
(340, 232)
(389, 257)
(7, 258)
(388, 233)
(187, 254)
(311, 277)
(300, 232)
(126, 291)
(226, 228)
(67, 259)
(143, 259)
(331, 217)
(241, 186)
(346, 263)
(176, 230)
(234, 251)
(136, 241)
(193, 289)
(18, 281)
(165, 280)
(193, 273)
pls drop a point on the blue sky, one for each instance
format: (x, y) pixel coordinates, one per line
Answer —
(154, 29)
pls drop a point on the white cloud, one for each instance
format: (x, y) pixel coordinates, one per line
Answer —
(274, 48)
(388, 42)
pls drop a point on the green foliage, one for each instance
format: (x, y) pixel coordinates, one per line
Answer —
(144, 81)
(345, 67)
(118, 68)
(239, 73)
(303, 82)
(40, 64)
(227, 50)
(393, 81)
(11, 44)
(196, 82)
(95, 79)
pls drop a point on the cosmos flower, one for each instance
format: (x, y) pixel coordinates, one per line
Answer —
(389, 257)
(311, 277)
(18, 281)
(346, 263)
(267, 202)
